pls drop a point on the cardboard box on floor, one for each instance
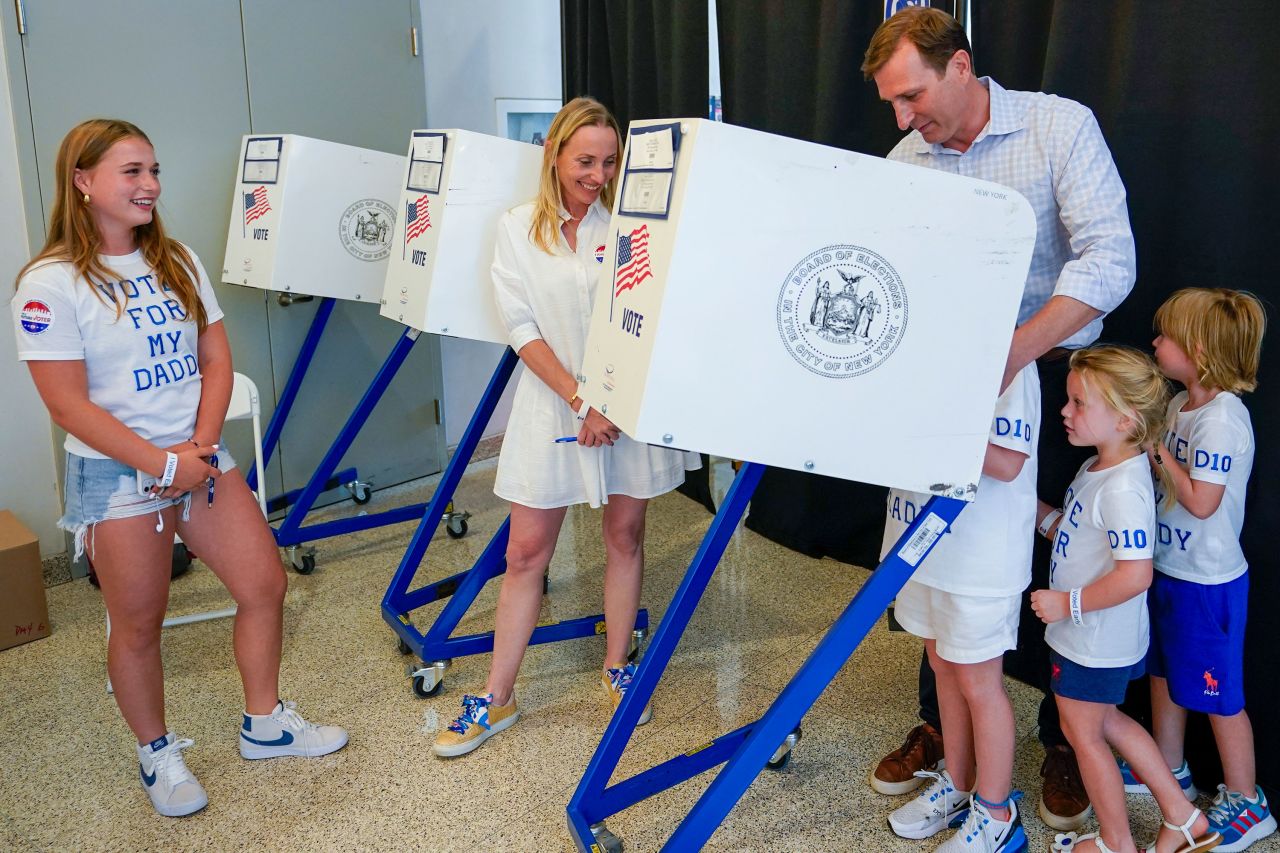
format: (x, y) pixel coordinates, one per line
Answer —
(24, 616)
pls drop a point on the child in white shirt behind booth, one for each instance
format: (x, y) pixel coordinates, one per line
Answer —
(1209, 341)
(1096, 607)
(965, 602)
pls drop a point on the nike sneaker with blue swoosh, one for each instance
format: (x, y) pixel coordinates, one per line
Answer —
(285, 732)
(172, 788)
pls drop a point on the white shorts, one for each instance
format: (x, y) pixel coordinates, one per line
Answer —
(966, 628)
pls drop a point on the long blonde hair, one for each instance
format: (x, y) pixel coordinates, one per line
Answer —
(73, 236)
(578, 113)
(1130, 382)
(1221, 332)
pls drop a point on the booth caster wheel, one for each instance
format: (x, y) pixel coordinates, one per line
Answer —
(637, 637)
(455, 523)
(427, 678)
(423, 689)
(303, 562)
(604, 839)
(181, 562)
(782, 756)
(361, 492)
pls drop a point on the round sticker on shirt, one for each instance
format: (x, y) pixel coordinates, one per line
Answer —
(600, 254)
(35, 317)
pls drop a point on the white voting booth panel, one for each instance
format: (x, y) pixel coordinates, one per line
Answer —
(456, 184)
(312, 217)
(802, 306)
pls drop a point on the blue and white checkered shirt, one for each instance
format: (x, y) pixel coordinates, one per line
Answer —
(1051, 150)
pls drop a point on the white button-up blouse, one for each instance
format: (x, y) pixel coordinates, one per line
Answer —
(549, 296)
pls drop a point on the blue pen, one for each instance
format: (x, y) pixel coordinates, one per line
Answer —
(565, 440)
(213, 461)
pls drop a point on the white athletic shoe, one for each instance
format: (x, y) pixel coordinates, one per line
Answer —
(172, 789)
(982, 833)
(284, 732)
(937, 806)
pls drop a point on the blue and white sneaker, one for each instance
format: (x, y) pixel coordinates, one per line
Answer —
(284, 732)
(982, 833)
(1134, 785)
(1241, 820)
(938, 806)
(616, 682)
(173, 790)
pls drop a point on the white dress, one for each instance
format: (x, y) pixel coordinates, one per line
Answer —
(549, 297)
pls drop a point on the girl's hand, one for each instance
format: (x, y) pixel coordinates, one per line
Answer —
(597, 430)
(193, 469)
(1051, 605)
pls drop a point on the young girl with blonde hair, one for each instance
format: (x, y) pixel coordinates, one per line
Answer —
(1096, 610)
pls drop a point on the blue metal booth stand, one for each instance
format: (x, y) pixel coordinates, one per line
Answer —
(289, 532)
(436, 648)
(767, 741)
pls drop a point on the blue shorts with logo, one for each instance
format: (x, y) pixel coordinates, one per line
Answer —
(1197, 641)
(1104, 685)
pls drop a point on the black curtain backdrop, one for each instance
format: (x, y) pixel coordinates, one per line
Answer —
(1185, 93)
(641, 59)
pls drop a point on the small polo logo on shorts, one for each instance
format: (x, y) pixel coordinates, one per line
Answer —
(35, 317)
(1210, 683)
(842, 311)
(365, 229)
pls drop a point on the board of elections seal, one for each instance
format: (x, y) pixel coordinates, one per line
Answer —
(365, 229)
(842, 311)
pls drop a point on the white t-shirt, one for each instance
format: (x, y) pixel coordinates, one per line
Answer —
(548, 296)
(1107, 515)
(988, 549)
(1215, 444)
(143, 366)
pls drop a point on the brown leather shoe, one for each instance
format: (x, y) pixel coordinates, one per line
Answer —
(896, 772)
(1064, 805)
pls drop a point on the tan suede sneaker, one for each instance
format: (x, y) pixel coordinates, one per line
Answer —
(480, 720)
(616, 682)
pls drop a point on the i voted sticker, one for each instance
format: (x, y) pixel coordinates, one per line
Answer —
(600, 254)
(35, 317)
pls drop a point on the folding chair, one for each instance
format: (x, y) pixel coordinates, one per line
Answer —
(244, 404)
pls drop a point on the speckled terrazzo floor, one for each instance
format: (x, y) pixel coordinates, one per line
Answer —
(69, 781)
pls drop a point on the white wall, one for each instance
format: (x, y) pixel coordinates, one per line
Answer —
(28, 486)
(475, 53)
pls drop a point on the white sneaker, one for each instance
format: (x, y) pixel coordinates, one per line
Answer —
(284, 732)
(936, 807)
(172, 789)
(982, 833)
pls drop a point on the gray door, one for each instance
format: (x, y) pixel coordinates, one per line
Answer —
(196, 77)
(345, 72)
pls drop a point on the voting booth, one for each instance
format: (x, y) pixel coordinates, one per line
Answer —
(456, 185)
(791, 304)
(312, 218)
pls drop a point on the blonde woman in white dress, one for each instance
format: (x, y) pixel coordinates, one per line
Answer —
(546, 268)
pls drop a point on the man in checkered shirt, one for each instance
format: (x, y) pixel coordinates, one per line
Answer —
(1051, 150)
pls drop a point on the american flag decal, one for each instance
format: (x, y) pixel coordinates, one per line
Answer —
(255, 204)
(417, 219)
(633, 260)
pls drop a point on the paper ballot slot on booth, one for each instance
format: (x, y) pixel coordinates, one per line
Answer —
(312, 217)
(456, 186)
(810, 308)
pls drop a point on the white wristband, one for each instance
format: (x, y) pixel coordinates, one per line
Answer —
(1077, 618)
(581, 414)
(170, 469)
(1046, 524)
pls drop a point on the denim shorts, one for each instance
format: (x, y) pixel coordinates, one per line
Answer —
(1104, 685)
(103, 490)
